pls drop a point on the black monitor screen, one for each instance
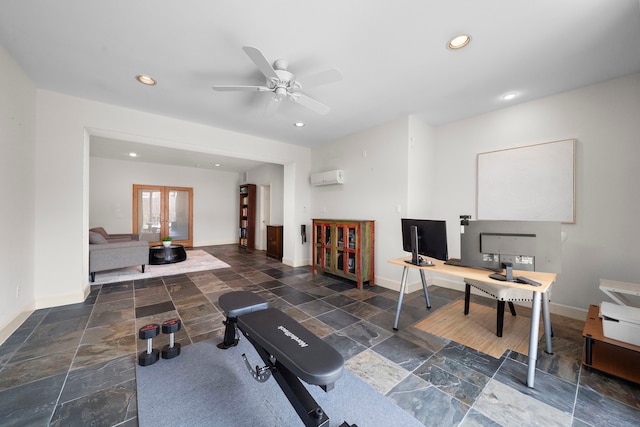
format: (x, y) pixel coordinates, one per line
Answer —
(431, 234)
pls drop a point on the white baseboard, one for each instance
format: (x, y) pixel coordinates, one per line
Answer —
(15, 323)
(59, 300)
(292, 263)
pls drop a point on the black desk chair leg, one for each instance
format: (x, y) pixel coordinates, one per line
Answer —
(500, 319)
(467, 295)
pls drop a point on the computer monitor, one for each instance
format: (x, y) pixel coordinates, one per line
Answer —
(527, 245)
(424, 237)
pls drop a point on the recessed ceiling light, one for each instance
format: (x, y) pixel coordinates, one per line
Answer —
(458, 42)
(132, 154)
(217, 165)
(298, 124)
(145, 80)
(509, 96)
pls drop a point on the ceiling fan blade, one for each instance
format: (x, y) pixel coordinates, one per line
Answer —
(229, 88)
(310, 103)
(261, 62)
(321, 78)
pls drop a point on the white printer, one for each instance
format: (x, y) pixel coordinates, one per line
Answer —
(621, 321)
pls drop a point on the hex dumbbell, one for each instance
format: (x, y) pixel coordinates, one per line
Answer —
(172, 349)
(151, 356)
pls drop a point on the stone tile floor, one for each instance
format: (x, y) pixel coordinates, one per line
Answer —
(75, 364)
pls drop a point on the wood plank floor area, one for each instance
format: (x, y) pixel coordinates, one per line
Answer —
(478, 329)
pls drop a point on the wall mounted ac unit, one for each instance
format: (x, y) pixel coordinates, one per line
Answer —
(328, 178)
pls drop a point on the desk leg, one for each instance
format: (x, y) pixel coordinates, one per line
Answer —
(424, 287)
(548, 332)
(533, 338)
(403, 285)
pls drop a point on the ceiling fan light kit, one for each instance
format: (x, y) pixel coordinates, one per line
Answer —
(282, 83)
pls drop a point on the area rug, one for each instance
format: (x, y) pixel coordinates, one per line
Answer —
(478, 329)
(207, 386)
(197, 260)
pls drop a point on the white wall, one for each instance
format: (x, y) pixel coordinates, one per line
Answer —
(273, 176)
(376, 176)
(215, 198)
(421, 171)
(605, 120)
(17, 183)
(64, 125)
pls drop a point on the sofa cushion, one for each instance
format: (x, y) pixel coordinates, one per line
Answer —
(101, 231)
(96, 238)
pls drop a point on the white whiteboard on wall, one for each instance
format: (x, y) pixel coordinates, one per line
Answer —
(531, 183)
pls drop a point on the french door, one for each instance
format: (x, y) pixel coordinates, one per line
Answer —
(163, 211)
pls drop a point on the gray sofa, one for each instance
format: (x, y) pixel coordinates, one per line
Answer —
(108, 254)
(125, 237)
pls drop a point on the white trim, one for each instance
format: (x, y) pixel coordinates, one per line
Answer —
(15, 323)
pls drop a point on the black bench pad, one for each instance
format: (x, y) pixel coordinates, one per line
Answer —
(238, 303)
(303, 353)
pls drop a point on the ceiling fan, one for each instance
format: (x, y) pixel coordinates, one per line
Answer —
(283, 84)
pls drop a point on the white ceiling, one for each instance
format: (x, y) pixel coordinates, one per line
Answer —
(392, 56)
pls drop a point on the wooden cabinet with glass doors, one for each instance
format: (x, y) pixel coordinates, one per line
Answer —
(344, 248)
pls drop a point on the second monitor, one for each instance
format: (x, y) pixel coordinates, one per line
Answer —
(424, 237)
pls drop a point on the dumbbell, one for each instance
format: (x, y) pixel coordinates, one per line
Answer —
(152, 355)
(172, 349)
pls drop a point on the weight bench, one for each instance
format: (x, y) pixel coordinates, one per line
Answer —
(236, 304)
(290, 352)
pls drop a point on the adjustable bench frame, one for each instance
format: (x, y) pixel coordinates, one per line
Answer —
(250, 323)
(304, 404)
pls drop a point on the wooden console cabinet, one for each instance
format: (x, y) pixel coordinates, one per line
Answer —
(344, 248)
(608, 355)
(247, 237)
(274, 242)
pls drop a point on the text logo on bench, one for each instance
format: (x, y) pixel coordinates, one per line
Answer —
(293, 336)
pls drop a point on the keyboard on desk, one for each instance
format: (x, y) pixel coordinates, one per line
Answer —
(454, 261)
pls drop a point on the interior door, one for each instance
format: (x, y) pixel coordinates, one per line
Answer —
(265, 215)
(160, 211)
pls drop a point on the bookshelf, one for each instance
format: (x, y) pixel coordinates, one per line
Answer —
(247, 220)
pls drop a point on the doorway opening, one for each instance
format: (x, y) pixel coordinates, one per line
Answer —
(264, 215)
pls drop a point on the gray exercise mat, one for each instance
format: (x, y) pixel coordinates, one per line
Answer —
(207, 386)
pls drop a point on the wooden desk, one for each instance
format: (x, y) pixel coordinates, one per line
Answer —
(545, 279)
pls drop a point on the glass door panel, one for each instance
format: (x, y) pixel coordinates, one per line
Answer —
(179, 214)
(352, 238)
(163, 211)
(149, 214)
(327, 257)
